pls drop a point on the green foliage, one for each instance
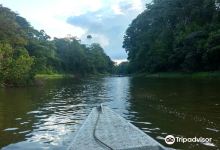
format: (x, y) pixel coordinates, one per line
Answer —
(122, 68)
(15, 62)
(212, 54)
(15, 65)
(99, 60)
(79, 59)
(175, 35)
(25, 52)
(45, 56)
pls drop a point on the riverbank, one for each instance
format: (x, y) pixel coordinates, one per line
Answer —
(52, 76)
(196, 75)
(62, 76)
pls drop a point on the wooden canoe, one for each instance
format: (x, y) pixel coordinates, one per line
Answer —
(104, 129)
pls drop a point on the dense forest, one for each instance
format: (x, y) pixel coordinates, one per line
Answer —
(169, 35)
(25, 52)
(175, 35)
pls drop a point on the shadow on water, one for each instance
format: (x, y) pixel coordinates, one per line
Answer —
(180, 107)
(48, 116)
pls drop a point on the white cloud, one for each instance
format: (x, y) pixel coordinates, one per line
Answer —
(138, 5)
(107, 20)
(117, 10)
(108, 24)
(118, 61)
(51, 15)
(103, 40)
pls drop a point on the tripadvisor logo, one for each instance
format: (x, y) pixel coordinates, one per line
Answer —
(170, 139)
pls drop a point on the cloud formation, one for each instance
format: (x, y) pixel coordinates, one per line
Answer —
(108, 24)
(51, 15)
(105, 20)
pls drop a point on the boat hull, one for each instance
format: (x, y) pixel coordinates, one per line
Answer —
(104, 129)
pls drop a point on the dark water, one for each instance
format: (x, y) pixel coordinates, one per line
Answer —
(47, 117)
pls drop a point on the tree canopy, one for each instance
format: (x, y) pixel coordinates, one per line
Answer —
(24, 52)
(175, 35)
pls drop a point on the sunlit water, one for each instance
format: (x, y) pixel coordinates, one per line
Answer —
(47, 117)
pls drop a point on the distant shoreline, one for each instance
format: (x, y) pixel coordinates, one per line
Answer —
(194, 75)
(67, 76)
(52, 76)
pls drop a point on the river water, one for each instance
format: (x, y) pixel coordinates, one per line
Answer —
(46, 117)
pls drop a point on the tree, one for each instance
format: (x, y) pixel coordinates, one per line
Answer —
(25, 51)
(174, 35)
(15, 65)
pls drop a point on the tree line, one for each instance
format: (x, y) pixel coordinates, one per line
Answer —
(25, 52)
(175, 35)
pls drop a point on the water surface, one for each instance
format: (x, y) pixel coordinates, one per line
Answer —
(48, 116)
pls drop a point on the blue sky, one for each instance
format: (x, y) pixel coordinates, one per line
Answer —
(105, 20)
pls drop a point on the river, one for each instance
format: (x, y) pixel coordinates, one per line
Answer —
(47, 116)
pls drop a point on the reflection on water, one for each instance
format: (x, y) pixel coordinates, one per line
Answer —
(48, 116)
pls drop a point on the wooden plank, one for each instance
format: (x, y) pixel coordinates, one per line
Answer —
(112, 130)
